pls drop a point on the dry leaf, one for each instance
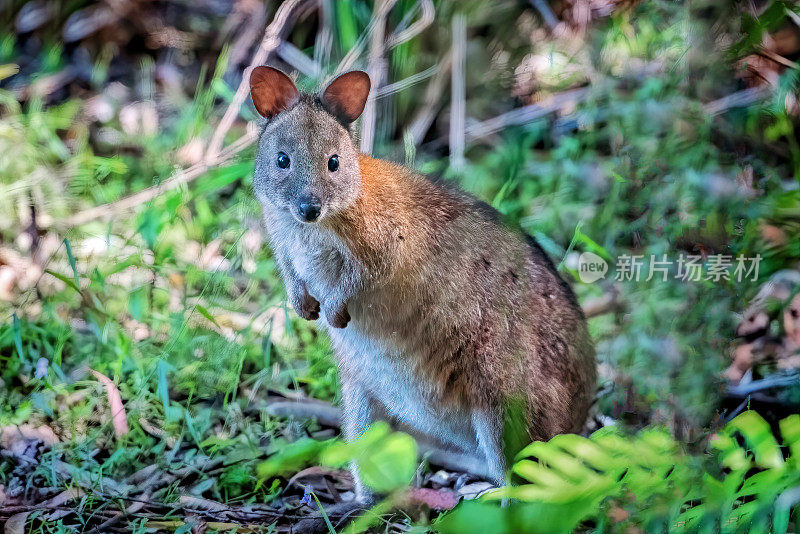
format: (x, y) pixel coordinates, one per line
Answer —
(118, 416)
(441, 499)
(16, 523)
(618, 514)
(754, 325)
(62, 498)
(18, 439)
(199, 503)
(742, 361)
(774, 235)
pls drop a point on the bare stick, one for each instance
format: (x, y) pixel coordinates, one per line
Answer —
(774, 381)
(255, 15)
(432, 100)
(405, 83)
(269, 44)
(547, 14)
(458, 93)
(425, 19)
(525, 114)
(601, 305)
(393, 40)
(179, 178)
(376, 69)
(738, 99)
(324, 39)
(321, 411)
(298, 60)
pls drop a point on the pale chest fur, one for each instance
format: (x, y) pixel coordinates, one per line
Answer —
(388, 375)
(315, 254)
(369, 353)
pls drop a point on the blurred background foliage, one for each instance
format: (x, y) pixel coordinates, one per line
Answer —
(608, 126)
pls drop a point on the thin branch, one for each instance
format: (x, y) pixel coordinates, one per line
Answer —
(777, 58)
(298, 60)
(775, 381)
(432, 101)
(738, 99)
(458, 92)
(525, 114)
(376, 68)
(255, 16)
(425, 20)
(547, 14)
(405, 83)
(179, 178)
(269, 44)
(321, 411)
(323, 43)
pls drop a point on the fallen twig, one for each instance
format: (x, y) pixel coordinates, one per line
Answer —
(376, 68)
(269, 44)
(774, 381)
(179, 178)
(323, 412)
(432, 101)
(458, 93)
(547, 14)
(602, 305)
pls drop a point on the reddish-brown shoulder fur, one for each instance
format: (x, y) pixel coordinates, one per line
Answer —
(486, 313)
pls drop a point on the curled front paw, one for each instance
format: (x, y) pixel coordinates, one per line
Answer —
(307, 307)
(338, 318)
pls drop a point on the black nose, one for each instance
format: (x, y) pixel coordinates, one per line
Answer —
(309, 210)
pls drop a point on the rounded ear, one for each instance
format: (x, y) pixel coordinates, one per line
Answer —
(346, 96)
(272, 91)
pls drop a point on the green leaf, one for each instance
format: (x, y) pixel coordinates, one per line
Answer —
(163, 387)
(387, 460)
(18, 337)
(205, 313)
(69, 282)
(759, 438)
(474, 517)
(390, 464)
(790, 430)
(71, 259)
(138, 303)
(291, 457)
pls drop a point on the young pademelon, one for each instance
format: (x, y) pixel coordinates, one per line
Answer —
(440, 316)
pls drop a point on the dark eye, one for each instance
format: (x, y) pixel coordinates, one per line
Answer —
(333, 163)
(283, 160)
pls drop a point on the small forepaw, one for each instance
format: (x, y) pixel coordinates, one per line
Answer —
(307, 307)
(338, 318)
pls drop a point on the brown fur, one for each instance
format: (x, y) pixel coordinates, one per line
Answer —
(450, 322)
(493, 319)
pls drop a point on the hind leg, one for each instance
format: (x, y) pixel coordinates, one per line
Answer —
(358, 415)
(488, 428)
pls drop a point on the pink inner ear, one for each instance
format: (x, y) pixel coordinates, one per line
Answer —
(272, 91)
(347, 95)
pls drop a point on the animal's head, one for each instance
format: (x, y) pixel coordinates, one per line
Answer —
(307, 162)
